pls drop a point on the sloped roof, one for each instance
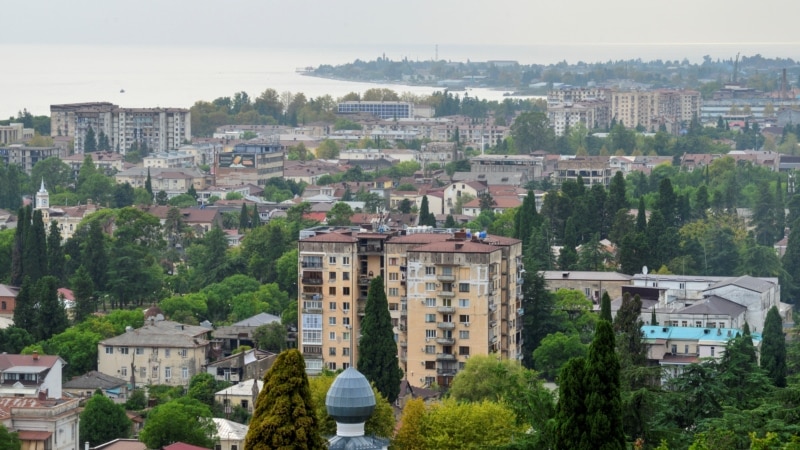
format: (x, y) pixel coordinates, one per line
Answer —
(230, 430)
(94, 380)
(420, 238)
(242, 389)
(257, 320)
(184, 446)
(162, 333)
(31, 363)
(456, 247)
(8, 291)
(746, 282)
(715, 305)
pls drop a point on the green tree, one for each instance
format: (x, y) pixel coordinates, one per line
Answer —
(538, 320)
(773, 348)
(571, 427)
(184, 419)
(555, 350)
(95, 257)
(284, 414)
(55, 253)
(148, 184)
(479, 425)
(34, 260)
(377, 358)
(102, 421)
(327, 149)
(54, 172)
(137, 400)
(78, 346)
(616, 195)
(531, 131)
(605, 307)
(271, 337)
(425, 216)
(9, 440)
(409, 435)
(89, 141)
(603, 401)
(203, 386)
(340, 214)
(25, 309)
(51, 318)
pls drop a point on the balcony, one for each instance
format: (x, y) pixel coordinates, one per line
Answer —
(446, 325)
(492, 307)
(445, 341)
(446, 294)
(314, 281)
(403, 344)
(520, 312)
(312, 307)
(446, 277)
(445, 357)
(446, 372)
(311, 264)
(446, 309)
(364, 281)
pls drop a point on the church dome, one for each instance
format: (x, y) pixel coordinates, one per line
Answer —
(350, 398)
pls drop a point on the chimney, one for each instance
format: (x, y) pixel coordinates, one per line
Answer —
(35, 355)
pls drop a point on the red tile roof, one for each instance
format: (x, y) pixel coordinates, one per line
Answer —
(183, 446)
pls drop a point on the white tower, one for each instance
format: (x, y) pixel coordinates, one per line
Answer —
(42, 198)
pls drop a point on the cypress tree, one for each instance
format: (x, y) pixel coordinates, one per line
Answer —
(148, 184)
(538, 321)
(773, 348)
(55, 252)
(616, 195)
(526, 219)
(571, 427)
(17, 251)
(450, 222)
(425, 216)
(34, 260)
(95, 257)
(25, 307)
(641, 217)
(780, 211)
(653, 320)
(244, 221)
(569, 256)
(377, 350)
(51, 318)
(284, 415)
(86, 171)
(605, 307)
(83, 289)
(89, 141)
(602, 383)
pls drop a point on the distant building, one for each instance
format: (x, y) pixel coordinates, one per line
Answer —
(8, 300)
(84, 386)
(31, 375)
(384, 110)
(250, 163)
(14, 133)
(48, 424)
(231, 434)
(250, 364)
(243, 394)
(27, 157)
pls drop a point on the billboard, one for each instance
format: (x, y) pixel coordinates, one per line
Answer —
(237, 160)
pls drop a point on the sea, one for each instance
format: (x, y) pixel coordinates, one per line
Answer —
(36, 76)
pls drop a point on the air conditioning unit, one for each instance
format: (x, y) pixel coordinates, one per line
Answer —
(466, 324)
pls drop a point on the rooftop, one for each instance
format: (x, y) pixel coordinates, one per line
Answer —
(710, 335)
(161, 333)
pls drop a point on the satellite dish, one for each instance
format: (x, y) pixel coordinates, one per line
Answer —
(644, 270)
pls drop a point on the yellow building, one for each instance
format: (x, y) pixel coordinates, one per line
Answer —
(449, 295)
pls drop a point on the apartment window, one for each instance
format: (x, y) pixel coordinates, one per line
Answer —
(167, 373)
(345, 291)
(430, 318)
(463, 287)
(345, 321)
(332, 260)
(346, 336)
(430, 365)
(143, 372)
(431, 270)
(345, 366)
(331, 276)
(331, 351)
(430, 380)
(123, 371)
(394, 276)
(331, 320)
(345, 276)
(332, 336)
(184, 372)
(331, 366)
(712, 351)
(345, 262)
(430, 286)
(463, 303)
(587, 291)
(109, 350)
(722, 324)
(140, 350)
(463, 334)
(393, 307)
(123, 350)
(698, 323)
(183, 353)
(447, 271)
(332, 290)
(394, 292)
(674, 349)
(463, 318)
(430, 334)
(345, 351)
(463, 351)
(332, 306)
(166, 352)
(684, 323)
(430, 349)
(430, 302)
(686, 349)
(392, 261)
(346, 306)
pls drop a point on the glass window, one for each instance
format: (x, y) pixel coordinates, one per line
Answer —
(430, 286)
(346, 261)
(394, 276)
(167, 373)
(331, 276)
(109, 350)
(346, 306)
(331, 320)
(345, 321)
(331, 290)
(430, 318)
(463, 287)
(463, 334)
(140, 350)
(346, 291)
(345, 276)
(184, 372)
(332, 336)
(463, 318)
(463, 351)
(463, 303)
(431, 270)
(123, 371)
(332, 306)
(332, 260)
(166, 352)
(430, 349)
(430, 302)
(394, 292)
(430, 333)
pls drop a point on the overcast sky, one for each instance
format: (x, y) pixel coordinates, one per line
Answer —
(405, 22)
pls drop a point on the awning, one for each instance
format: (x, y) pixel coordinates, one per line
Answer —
(25, 435)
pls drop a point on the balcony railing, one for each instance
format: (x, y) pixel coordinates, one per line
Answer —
(311, 306)
(446, 372)
(446, 277)
(311, 265)
(446, 309)
(446, 294)
(445, 357)
(445, 341)
(446, 325)
(312, 281)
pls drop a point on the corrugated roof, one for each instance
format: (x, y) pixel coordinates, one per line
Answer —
(257, 320)
(714, 305)
(585, 275)
(746, 282)
(229, 430)
(42, 362)
(420, 238)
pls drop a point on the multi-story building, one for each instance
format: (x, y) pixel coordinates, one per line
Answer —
(27, 157)
(14, 133)
(250, 163)
(592, 169)
(172, 181)
(171, 160)
(577, 94)
(563, 116)
(532, 166)
(108, 163)
(50, 424)
(384, 110)
(449, 296)
(161, 352)
(159, 129)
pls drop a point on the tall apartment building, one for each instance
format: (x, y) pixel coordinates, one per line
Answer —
(593, 114)
(160, 129)
(250, 163)
(450, 296)
(652, 109)
(27, 157)
(384, 110)
(577, 94)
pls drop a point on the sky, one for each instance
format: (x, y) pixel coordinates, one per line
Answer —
(289, 23)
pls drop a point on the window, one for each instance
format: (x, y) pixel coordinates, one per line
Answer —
(346, 306)
(430, 302)
(346, 291)
(332, 306)
(686, 349)
(345, 321)
(430, 349)
(430, 318)
(684, 323)
(698, 323)
(674, 349)
(712, 351)
(430, 334)
(463, 318)
(394, 276)
(4, 305)
(430, 365)
(332, 290)
(587, 291)
(166, 352)
(345, 351)
(463, 287)
(346, 261)
(463, 303)
(332, 336)
(430, 380)
(123, 350)
(331, 351)
(463, 334)
(154, 373)
(447, 302)
(346, 336)
(722, 324)
(331, 276)
(142, 372)
(109, 350)
(345, 366)
(430, 270)
(345, 276)
(184, 372)
(123, 371)
(140, 350)
(183, 353)
(167, 373)
(332, 260)
(430, 286)
(331, 366)
(447, 271)
(463, 351)
(394, 292)
(331, 320)
(392, 261)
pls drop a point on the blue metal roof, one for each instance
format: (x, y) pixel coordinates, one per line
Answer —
(722, 335)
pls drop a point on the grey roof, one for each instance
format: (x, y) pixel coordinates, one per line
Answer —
(350, 398)
(714, 305)
(94, 380)
(242, 389)
(584, 275)
(357, 443)
(493, 178)
(746, 282)
(162, 333)
(257, 320)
